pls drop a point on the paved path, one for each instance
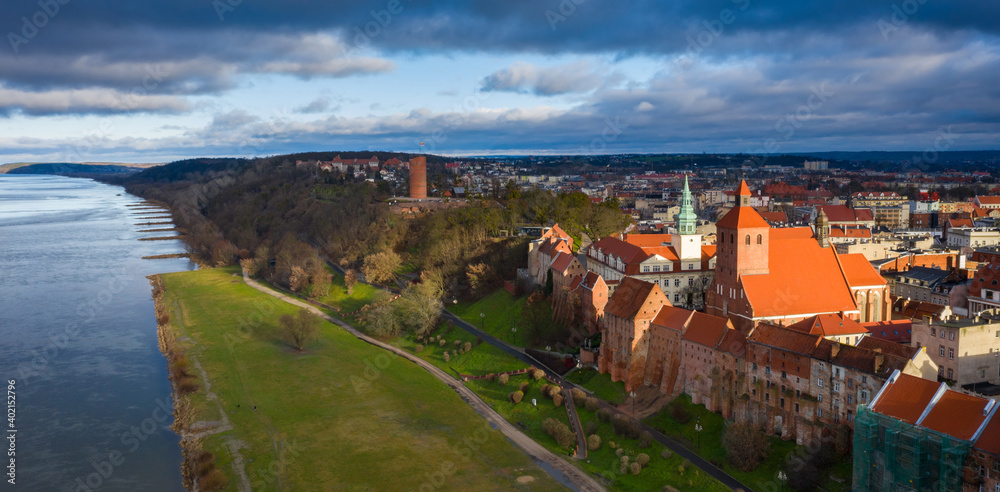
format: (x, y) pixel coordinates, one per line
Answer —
(563, 471)
(574, 420)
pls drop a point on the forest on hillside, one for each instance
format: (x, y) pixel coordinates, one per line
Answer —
(288, 220)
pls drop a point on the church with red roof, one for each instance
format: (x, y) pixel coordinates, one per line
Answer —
(785, 275)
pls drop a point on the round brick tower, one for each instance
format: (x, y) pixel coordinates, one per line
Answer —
(418, 177)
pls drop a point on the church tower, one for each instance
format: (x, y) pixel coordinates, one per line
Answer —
(687, 242)
(743, 240)
(823, 229)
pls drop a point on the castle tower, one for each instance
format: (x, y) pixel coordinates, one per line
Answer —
(687, 242)
(418, 177)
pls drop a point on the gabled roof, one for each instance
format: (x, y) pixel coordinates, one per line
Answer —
(785, 339)
(988, 276)
(859, 271)
(576, 282)
(734, 343)
(989, 440)
(612, 246)
(673, 318)
(851, 232)
(895, 332)
(803, 278)
(956, 414)
(843, 213)
(905, 398)
(705, 329)
(591, 280)
(562, 262)
(859, 359)
(989, 200)
(630, 298)
(778, 216)
(829, 325)
(953, 223)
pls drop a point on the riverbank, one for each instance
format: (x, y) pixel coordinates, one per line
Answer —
(342, 414)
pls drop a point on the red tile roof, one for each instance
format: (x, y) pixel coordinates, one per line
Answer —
(897, 331)
(673, 318)
(829, 325)
(953, 223)
(860, 359)
(851, 232)
(774, 216)
(591, 280)
(705, 329)
(562, 261)
(990, 200)
(989, 440)
(575, 284)
(987, 276)
(906, 398)
(647, 240)
(859, 271)
(956, 414)
(803, 278)
(843, 213)
(630, 299)
(785, 339)
(740, 217)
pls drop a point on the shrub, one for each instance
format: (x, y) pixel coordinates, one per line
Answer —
(635, 468)
(454, 353)
(593, 442)
(516, 397)
(592, 404)
(642, 459)
(557, 399)
(457, 343)
(537, 374)
(579, 397)
(468, 346)
(442, 342)
(667, 488)
(746, 446)
(603, 415)
(502, 379)
(666, 454)
(612, 445)
(619, 451)
(679, 412)
(624, 426)
(560, 432)
(590, 427)
(446, 357)
(524, 386)
(213, 480)
(419, 348)
(645, 439)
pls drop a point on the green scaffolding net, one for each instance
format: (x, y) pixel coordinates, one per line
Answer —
(891, 455)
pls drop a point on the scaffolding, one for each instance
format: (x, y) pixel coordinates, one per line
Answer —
(894, 456)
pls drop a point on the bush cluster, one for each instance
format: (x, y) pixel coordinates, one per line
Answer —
(560, 432)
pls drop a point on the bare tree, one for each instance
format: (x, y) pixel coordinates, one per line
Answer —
(300, 329)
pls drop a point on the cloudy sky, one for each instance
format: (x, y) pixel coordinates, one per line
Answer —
(157, 80)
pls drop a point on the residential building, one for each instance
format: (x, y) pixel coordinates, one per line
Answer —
(543, 250)
(987, 202)
(973, 237)
(816, 165)
(966, 350)
(832, 327)
(984, 292)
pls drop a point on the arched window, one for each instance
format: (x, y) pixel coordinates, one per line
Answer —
(760, 239)
(748, 240)
(722, 237)
(877, 308)
(732, 238)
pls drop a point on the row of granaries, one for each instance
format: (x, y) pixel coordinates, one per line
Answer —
(796, 381)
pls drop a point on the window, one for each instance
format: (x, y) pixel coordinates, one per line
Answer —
(941, 350)
(677, 297)
(934, 332)
(677, 282)
(951, 353)
(819, 412)
(864, 379)
(690, 266)
(819, 398)
(760, 239)
(748, 240)
(951, 374)
(656, 268)
(796, 408)
(850, 399)
(942, 333)
(850, 383)
(690, 281)
(784, 375)
(755, 368)
(767, 396)
(819, 382)
(864, 396)
(732, 237)
(767, 371)
(645, 269)
(951, 335)
(836, 387)
(782, 403)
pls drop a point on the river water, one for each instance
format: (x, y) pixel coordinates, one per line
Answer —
(78, 338)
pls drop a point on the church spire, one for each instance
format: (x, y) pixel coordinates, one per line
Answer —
(686, 220)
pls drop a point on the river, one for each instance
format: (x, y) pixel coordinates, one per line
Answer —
(78, 338)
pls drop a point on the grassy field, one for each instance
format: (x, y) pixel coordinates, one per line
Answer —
(600, 384)
(362, 295)
(344, 415)
(501, 311)
(672, 470)
(711, 448)
(482, 359)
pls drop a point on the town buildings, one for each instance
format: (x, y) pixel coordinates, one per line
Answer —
(966, 350)
(984, 291)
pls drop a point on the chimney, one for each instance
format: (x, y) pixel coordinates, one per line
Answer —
(879, 360)
(835, 349)
(950, 262)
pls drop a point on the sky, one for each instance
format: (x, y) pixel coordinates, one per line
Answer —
(154, 81)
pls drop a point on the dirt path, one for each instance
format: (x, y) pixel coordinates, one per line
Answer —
(578, 478)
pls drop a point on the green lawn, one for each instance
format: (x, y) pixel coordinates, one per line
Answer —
(344, 415)
(600, 384)
(482, 359)
(501, 311)
(711, 448)
(660, 471)
(525, 416)
(362, 294)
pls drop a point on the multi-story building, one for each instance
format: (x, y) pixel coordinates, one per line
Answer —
(973, 237)
(987, 202)
(984, 292)
(816, 165)
(889, 208)
(678, 263)
(966, 350)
